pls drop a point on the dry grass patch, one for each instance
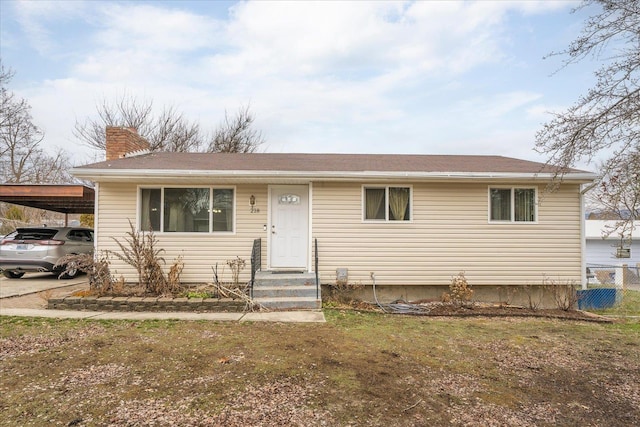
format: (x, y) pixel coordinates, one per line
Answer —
(357, 369)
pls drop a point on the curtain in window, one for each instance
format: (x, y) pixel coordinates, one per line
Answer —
(398, 203)
(223, 210)
(150, 209)
(525, 204)
(145, 210)
(374, 198)
(501, 204)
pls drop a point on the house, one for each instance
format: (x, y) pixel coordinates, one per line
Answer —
(606, 251)
(415, 221)
(611, 249)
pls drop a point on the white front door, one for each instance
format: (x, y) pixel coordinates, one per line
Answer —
(289, 226)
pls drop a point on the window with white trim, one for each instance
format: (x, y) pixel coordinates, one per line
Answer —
(512, 204)
(387, 203)
(187, 209)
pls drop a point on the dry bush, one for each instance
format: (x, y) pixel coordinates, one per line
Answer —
(140, 251)
(234, 290)
(236, 265)
(119, 286)
(175, 271)
(342, 291)
(534, 296)
(96, 268)
(564, 294)
(460, 290)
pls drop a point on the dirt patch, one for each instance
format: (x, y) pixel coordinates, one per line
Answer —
(477, 310)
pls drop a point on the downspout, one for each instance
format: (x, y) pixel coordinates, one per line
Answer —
(583, 238)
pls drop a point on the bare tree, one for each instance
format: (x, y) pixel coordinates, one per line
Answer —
(168, 130)
(22, 160)
(604, 124)
(236, 135)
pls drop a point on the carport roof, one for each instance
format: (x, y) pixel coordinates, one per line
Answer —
(64, 198)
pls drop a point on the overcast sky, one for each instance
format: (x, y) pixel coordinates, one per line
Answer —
(352, 77)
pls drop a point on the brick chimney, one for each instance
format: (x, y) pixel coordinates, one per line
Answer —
(122, 141)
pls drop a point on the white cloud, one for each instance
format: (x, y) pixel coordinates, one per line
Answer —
(154, 29)
(320, 76)
(315, 38)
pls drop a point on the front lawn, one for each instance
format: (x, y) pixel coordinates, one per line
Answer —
(357, 369)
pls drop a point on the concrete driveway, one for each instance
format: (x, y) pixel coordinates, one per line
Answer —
(36, 282)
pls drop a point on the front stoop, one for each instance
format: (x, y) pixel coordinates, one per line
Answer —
(288, 291)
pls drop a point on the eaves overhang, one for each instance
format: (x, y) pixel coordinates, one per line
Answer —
(258, 176)
(63, 198)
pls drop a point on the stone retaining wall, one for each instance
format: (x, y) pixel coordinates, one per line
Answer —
(146, 304)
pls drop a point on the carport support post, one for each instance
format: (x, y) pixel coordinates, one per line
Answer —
(66, 219)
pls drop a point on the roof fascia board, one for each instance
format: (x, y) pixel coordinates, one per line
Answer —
(146, 174)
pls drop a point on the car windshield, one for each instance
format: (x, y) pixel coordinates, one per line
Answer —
(33, 234)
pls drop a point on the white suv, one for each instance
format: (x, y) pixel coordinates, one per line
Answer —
(40, 248)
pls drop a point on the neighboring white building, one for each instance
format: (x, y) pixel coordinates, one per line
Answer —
(609, 252)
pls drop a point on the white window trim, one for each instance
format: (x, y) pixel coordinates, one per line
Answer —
(513, 211)
(386, 220)
(187, 233)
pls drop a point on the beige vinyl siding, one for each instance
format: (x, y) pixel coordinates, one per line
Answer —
(201, 251)
(449, 232)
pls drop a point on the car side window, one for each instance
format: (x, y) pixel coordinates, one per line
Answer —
(79, 235)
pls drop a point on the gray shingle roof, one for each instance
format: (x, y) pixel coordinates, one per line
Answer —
(291, 162)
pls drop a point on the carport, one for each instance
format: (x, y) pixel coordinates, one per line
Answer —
(62, 198)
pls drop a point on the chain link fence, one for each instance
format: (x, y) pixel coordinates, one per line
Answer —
(611, 289)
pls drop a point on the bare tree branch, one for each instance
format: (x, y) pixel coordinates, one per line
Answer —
(236, 135)
(605, 122)
(169, 130)
(22, 160)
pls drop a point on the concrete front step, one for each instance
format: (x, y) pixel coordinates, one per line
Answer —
(290, 303)
(286, 291)
(270, 277)
(279, 291)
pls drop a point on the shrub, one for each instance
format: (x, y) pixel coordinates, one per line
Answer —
(140, 251)
(236, 265)
(461, 292)
(342, 291)
(564, 295)
(87, 220)
(534, 296)
(96, 268)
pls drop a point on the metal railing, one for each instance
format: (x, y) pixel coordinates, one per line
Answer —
(315, 257)
(256, 263)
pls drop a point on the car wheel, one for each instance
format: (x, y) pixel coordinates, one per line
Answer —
(70, 272)
(13, 274)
